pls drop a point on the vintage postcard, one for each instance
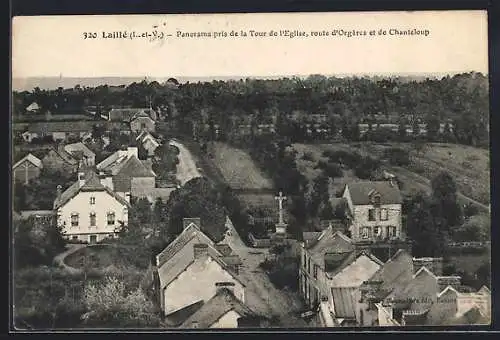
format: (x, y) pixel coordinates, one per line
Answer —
(299, 171)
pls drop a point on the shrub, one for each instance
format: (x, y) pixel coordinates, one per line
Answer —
(308, 156)
(397, 156)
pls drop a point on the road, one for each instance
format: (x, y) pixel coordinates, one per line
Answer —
(261, 295)
(186, 169)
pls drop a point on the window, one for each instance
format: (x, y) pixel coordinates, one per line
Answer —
(305, 260)
(74, 219)
(111, 218)
(111, 235)
(376, 231)
(383, 215)
(92, 219)
(92, 200)
(315, 271)
(365, 232)
(376, 199)
(143, 125)
(391, 231)
(74, 237)
(371, 215)
(309, 266)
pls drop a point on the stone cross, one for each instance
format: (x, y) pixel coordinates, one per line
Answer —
(280, 200)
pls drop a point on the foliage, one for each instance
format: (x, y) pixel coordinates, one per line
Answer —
(282, 271)
(397, 156)
(197, 198)
(427, 239)
(366, 167)
(37, 243)
(41, 192)
(165, 160)
(110, 305)
(475, 228)
(444, 194)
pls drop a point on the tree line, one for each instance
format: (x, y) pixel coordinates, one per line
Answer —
(460, 100)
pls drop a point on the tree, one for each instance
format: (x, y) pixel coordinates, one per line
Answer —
(141, 211)
(320, 194)
(427, 239)
(432, 126)
(110, 305)
(444, 195)
(197, 198)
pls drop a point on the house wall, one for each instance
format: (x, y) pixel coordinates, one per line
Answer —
(25, 172)
(137, 124)
(60, 135)
(444, 308)
(311, 288)
(228, 320)
(80, 204)
(53, 162)
(360, 220)
(196, 283)
(142, 186)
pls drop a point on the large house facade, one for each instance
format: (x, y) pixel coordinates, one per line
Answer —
(89, 210)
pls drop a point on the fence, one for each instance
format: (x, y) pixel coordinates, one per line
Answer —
(259, 242)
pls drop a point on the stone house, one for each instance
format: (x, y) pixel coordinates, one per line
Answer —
(139, 119)
(375, 211)
(331, 274)
(188, 269)
(89, 210)
(26, 169)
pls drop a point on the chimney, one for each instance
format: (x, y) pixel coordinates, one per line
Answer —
(81, 178)
(224, 285)
(200, 250)
(133, 151)
(59, 191)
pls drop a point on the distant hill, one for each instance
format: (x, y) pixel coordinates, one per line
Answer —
(49, 83)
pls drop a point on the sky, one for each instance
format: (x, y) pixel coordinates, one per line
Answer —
(55, 46)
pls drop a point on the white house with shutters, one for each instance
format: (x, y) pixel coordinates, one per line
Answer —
(89, 210)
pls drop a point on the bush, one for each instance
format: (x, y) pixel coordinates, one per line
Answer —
(397, 156)
(308, 156)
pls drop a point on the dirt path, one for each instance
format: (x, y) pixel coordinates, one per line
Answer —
(59, 259)
(186, 169)
(261, 295)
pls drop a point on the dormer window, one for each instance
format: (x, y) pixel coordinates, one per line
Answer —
(376, 199)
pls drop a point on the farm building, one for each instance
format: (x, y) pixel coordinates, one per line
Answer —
(27, 168)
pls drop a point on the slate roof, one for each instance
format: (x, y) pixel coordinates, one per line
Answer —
(79, 147)
(355, 269)
(177, 256)
(33, 106)
(91, 184)
(131, 168)
(328, 241)
(128, 114)
(215, 308)
(181, 241)
(25, 214)
(397, 271)
(360, 192)
(178, 317)
(30, 158)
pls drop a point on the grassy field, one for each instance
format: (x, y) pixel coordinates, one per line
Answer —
(238, 168)
(469, 166)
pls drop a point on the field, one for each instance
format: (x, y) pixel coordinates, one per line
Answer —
(238, 168)
(469, 166)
